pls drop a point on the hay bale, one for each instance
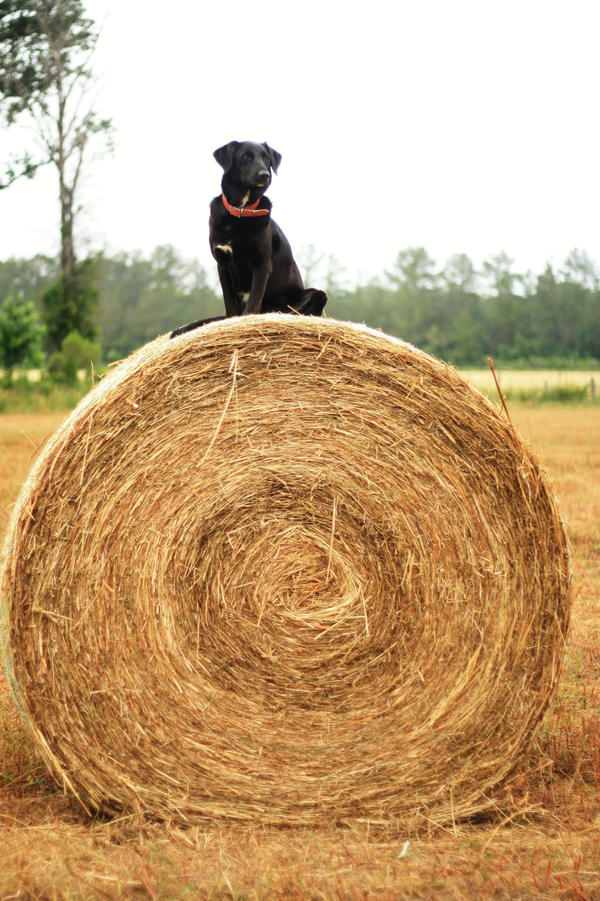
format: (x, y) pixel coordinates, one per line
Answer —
(285, 570)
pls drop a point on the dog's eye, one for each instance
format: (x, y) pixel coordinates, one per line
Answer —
(266, 158)
(246, 157)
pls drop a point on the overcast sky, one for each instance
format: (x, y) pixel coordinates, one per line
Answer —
(459, 125)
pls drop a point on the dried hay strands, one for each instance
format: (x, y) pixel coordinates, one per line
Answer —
(285, 570)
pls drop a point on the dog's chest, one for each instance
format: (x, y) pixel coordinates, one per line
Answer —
(240, 243)
(225, 242)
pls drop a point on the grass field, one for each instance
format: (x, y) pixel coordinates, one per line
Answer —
(547, 846)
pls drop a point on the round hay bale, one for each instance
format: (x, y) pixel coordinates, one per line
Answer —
(285, 570)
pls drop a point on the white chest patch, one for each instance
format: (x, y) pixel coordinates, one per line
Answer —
(226, 248)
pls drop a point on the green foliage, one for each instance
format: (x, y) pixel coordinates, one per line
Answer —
(464, 316)
(27, 277)
(142, 298)
(414, 271)
(20, 335)
(76, 353)
(44, 57)
(71, 305)
(27, 33)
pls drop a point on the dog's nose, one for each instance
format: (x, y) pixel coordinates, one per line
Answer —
(264, 173)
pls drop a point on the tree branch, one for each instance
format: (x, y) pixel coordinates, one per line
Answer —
(27, 169)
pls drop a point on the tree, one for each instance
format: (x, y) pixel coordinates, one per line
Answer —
(414, 270)
(20, 333)
(141, 298)
(45, 79)
(71, 306)
(310, 259)
(459, 272)
(498, 271)
(556, 317)
(333, 279)
(581, 269)
(27, 277)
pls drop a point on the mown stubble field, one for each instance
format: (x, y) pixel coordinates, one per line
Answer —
(547, 846)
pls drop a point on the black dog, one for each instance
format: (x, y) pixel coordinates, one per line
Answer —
(257, 271)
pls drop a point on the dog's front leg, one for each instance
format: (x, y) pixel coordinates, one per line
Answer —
(260, 277)
(233, 306)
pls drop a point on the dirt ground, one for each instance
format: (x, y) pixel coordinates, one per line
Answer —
(548, 846)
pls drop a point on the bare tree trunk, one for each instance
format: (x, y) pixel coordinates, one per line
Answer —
(67, 253)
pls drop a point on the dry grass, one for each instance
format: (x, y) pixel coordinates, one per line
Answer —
(550, 847)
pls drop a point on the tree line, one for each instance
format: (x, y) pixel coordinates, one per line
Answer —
(455, 312)
(464, 315)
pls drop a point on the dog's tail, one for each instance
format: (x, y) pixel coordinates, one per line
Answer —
(311, 302)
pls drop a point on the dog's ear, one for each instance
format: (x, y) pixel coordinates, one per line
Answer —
(275, 157)
(224, 154)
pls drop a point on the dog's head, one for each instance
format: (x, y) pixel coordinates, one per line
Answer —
(248, 163)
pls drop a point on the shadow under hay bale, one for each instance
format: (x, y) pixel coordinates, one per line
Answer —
(285, 570)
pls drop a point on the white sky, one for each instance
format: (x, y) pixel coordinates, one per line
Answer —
(459, 125)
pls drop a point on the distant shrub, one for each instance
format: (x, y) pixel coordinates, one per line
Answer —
(548, 362)
(563, 394)
(76, 353)
(25, 396)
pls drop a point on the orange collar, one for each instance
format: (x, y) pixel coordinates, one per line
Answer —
(244, 211)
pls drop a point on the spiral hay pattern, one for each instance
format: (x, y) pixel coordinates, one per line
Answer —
(285, 570)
